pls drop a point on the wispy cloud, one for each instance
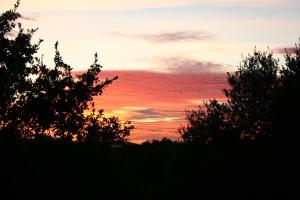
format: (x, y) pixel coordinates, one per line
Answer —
(28, 18)
(177, 36)
(187, 65)
(141, 116)
(134, 108)
(167, 37)
(150, 115)
(146, 114)
(284, 50)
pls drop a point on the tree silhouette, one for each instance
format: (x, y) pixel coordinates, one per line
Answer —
(16, 54)
(286, 107)
(39, 101)
(252, 91)
(262, 104)
(208, 124)
(103, 130)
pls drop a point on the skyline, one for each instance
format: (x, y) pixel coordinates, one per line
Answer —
(158, 47)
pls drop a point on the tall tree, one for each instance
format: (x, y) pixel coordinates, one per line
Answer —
(16, 66)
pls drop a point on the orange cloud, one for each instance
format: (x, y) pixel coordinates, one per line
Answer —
(156, 102)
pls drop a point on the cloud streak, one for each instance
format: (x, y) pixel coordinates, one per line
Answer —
(146, 114)
(284, 50)
(27, 18)
(168, 37)
(151, 115)
(177, 36)
(181, 65)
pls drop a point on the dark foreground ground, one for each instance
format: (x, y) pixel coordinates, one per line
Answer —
(153, 171)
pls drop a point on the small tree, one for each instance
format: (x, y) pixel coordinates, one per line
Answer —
(104, 130)
(251, 94)
(206, 125)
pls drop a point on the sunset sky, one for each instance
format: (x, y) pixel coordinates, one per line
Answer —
(170, 55)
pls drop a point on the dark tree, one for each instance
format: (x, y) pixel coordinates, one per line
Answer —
(251, 94)
(100, 129)
(286, 107)
(208, 124)
(16, 66)
(38, 101)
(263, 104)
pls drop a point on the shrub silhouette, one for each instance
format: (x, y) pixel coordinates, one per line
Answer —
(103, 130)
(206, 125)
(262, 104)
(40, 102)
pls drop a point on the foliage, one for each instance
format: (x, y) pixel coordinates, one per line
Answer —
(100, 129)
(39, 101)
(286, 106)
(262, 104)
(16, 54)
(206, 125)
(252, 90)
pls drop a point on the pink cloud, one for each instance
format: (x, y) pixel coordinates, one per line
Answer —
(285, 50)
(156, 102)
